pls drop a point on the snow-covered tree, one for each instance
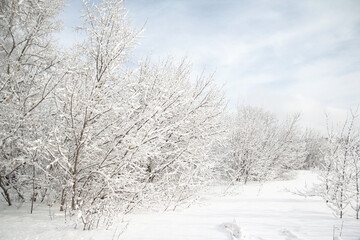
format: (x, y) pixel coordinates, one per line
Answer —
(314, 145)
(82, 129)
(149, 141)
(127, 138)
(182, 120)
(88, 103)
(28, 75)
(355, 183)
(261, 147)
(340, 177)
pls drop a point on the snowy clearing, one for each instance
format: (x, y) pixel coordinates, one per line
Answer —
(254, 211)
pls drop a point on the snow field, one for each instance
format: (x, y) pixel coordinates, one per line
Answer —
(252, 212)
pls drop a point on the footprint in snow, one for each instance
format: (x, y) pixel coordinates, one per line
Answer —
(234, 230)
(289, 235)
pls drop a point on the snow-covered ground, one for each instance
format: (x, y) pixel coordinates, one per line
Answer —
(254, 211)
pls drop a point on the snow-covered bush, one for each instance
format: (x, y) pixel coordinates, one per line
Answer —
(314, 150)
(260, 147)
(340, 177)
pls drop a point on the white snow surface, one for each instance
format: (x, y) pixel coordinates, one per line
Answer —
(252, 211)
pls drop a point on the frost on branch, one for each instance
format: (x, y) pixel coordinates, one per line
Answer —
(29, 73)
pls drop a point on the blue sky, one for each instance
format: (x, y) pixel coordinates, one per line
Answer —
(284, 56)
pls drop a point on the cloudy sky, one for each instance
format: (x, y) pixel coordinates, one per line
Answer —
(284, 56)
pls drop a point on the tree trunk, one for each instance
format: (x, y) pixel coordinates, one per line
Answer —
(5, 192)
(33, 191)
(62, 203)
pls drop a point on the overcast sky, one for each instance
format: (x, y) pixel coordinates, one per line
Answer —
(284, 56)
